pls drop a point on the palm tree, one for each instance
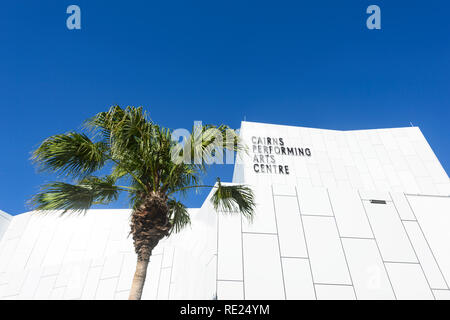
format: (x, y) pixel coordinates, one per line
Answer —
(146, 162)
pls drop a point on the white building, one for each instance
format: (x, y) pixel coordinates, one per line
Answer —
(340, 215)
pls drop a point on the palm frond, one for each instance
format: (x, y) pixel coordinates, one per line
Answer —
(178, 215)
(234, 198)
(77, 198)
(70, 154)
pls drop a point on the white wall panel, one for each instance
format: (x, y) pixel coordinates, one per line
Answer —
(389, 232)
(30, 284)
(230, 290)
(283, 190)
(402, 206)
(314, 201)
(367, 269)
(57, 293)
(426, 258)
(112, 266)
(433, 216)
(335, 292)
(441, 294)
(106, 289)
(349, 212)
(298, 279)
(375, 195)
(77, 280)
(92, 281)
(45, 288)
(127, 272)
(5, 219)
(229, 247)
(325, 251)
(264, 218)
(262, 267)
(409, 281)
(164, 283)
(290, 229)
(150, 291)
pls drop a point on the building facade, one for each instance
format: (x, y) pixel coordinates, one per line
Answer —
(358, 214)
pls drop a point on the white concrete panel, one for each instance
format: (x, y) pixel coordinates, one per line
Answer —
(229, 247)
(409, 281)
(230, 290)
(45, 288)
(122, 295)
(367, 270)
(298, 279)
(5, 219)
(441, 294)
(325, 251)
(106, 289)
(57, 293)
(168, 254)
(402, 206)
(290, 229)
(262, 268)
(77, 280)
(436, 171)
(30, 284)
(409, 182)
(313, 170)
(150, 291)
(335, 292)
(92, 281)
(426, 258)
(283, 190)
(127, 272)
(264, 217)
(8, 248)
(427, 186)
(17, 225)
(349, 212)
(314, 201)
(112, 266)
(164, 283)
(374, 195)
(416, 165)
(389, 233)
(433, 216)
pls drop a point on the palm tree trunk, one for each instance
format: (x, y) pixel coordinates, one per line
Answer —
(139, 279)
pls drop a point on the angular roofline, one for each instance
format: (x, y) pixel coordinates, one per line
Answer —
(337, 130)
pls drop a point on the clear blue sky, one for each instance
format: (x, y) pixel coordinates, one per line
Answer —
(306, 63)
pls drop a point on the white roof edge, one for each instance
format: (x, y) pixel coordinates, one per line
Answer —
(285, 125)
(5, 215)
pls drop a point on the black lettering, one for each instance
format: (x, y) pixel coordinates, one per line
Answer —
(308, 152)
(261, 158)
(290, 151)
(256, 166)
